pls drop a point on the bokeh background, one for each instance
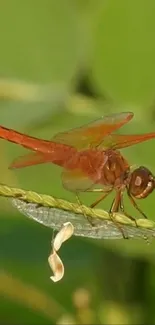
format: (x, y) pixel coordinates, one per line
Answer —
(63, 64)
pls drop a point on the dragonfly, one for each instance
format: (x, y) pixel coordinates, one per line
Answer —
(91, 160)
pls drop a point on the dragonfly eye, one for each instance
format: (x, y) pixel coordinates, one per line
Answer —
(142, 183)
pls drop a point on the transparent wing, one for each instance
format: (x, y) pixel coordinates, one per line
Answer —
(92, 134)
(79, 180)
(117, 141)
(76, 180)
(30, 159)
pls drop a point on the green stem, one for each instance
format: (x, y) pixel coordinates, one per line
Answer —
(53, 212)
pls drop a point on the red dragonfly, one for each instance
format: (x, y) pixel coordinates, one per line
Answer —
(90, 157)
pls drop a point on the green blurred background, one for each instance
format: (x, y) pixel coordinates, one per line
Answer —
(64, 63)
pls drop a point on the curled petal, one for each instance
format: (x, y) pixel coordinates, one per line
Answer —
(65, 233)
(54, 260)
(56, 266)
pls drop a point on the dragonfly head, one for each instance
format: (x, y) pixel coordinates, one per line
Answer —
(142, 182)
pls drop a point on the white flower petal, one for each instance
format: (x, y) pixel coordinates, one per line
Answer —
(56, 266)
(65, 233)
(54, 260)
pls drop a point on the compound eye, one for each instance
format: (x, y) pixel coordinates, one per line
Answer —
(142, 182)
(138, 181)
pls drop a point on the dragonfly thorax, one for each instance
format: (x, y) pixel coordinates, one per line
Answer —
(115, 169)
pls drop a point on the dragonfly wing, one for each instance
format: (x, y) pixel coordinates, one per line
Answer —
(92, 134)
(33, 158)
(76, 181)
(79, 180)
(119, 141)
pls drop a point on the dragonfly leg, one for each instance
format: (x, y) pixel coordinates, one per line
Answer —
(140, 211)
(124, 212)
(136, 206)
(114, 208)
(90, 219)
(102, 197)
